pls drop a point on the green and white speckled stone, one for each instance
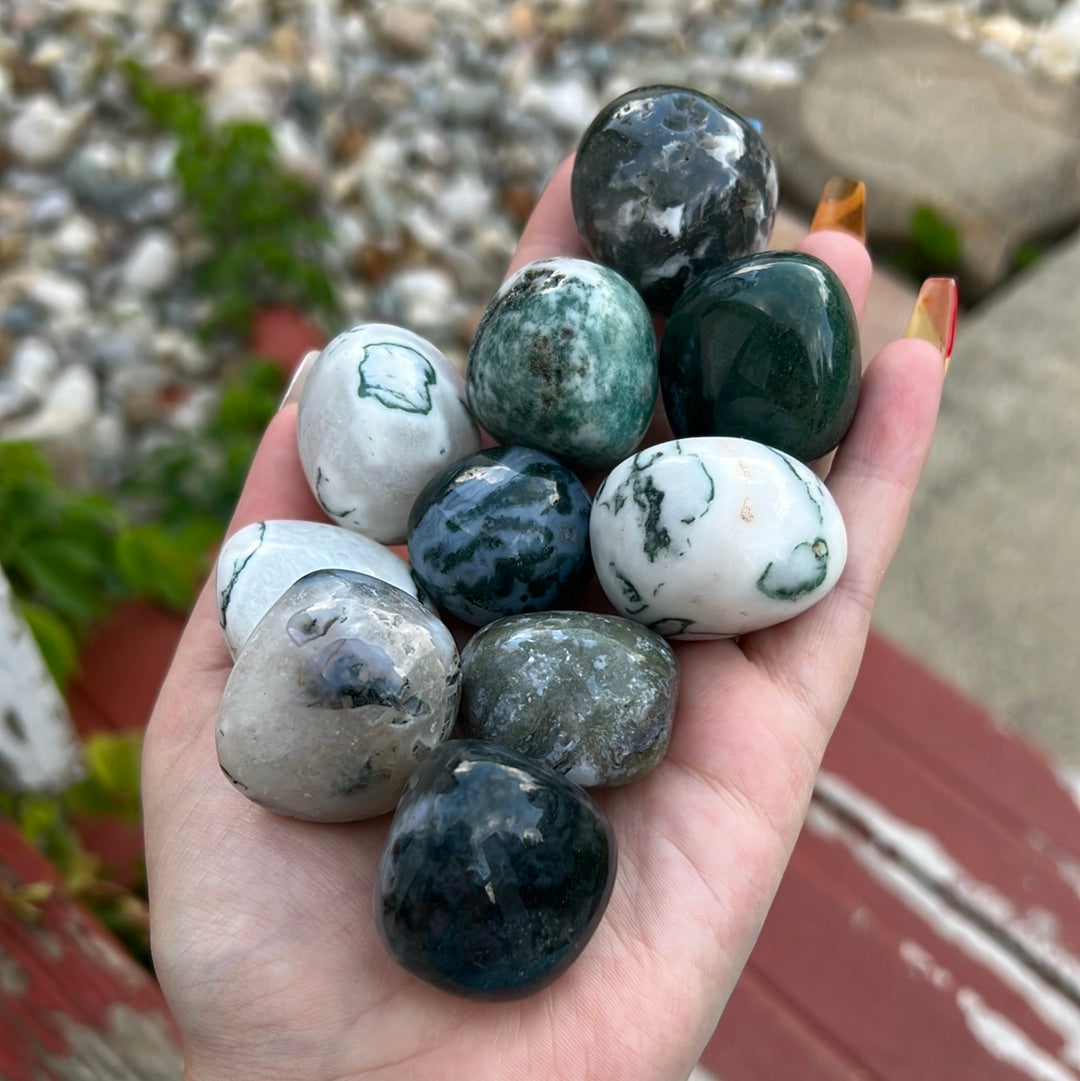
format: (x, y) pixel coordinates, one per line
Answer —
(592, 696)
(711, 537)
(565, 361)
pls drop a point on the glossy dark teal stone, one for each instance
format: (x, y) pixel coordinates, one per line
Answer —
(764, 348)
(502, 531)
(495, 874)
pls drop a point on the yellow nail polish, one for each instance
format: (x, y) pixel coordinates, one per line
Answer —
(842, 206)
(933, 319)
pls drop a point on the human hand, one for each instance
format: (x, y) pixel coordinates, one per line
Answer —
(262, 926)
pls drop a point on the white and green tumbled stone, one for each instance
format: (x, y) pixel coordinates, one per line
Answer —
(590, 695)
(565, 360)
(344, 687)
(712, 537)
(381, 412)
(261, 560)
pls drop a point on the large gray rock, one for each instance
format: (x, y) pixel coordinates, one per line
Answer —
(927, 121)
(984, 588)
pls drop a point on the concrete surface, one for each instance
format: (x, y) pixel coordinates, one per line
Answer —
(984, 589)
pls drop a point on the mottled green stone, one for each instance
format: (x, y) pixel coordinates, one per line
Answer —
(564, 360)
(590, 695)
(764, 348)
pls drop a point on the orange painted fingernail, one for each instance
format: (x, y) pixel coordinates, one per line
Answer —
(934, 316)
(842, 206)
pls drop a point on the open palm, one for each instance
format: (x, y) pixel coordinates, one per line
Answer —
(263, 932)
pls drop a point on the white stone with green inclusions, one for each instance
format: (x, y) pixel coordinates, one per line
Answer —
(565, 361)
(711, 537)
(381, 413)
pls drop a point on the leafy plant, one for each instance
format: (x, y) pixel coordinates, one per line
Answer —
(263, 225)
(57, 550)
(933, 246)
(187, 489)
(110, 790)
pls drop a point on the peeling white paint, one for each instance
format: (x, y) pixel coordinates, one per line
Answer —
(699, 1073)
(1069, 779)
(1034, 929)
(921, 962)
(14, 979)
(1067, 867)
(134, 1046)
(1006, 1042)
(1056, 1010)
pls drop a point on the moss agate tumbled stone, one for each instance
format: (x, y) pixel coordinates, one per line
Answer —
(592, 696)
(668, 182)
(502, 531)
(564, 360)
(765, 348)
(711, 537)
(262, 559)
(342, 688)
(381, 412)
(495, 874)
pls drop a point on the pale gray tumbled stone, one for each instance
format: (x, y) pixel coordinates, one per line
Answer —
(346, 685)
(260, 561)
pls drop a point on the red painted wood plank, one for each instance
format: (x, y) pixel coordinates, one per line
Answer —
(73, 1002)
(122, 668)
(924, 818)
(907, 987)
(958, 739)
(764, 1036)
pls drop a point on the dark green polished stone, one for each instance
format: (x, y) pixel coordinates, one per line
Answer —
(495, 874)
(765, 348)
(591, 695)
(668, 182)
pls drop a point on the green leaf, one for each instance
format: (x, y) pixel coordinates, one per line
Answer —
(68, 587)
(935, 238)
(111, 787)
(55, 639)
(163, 566)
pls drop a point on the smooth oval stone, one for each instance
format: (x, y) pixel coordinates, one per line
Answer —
(344, 687)
(495, 874)
(381, 413)
(592, 696)
(261, 560)
(713, 537)
(564, 360)
(765, 348)
(502, 531)
(667, 183)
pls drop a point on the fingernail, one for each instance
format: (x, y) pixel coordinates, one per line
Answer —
(842, 206)
(296, 384)
(934, 316)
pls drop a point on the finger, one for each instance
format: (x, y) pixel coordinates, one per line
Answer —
(848, 257)
(551, 229)
(873, 480)
(276, 486)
